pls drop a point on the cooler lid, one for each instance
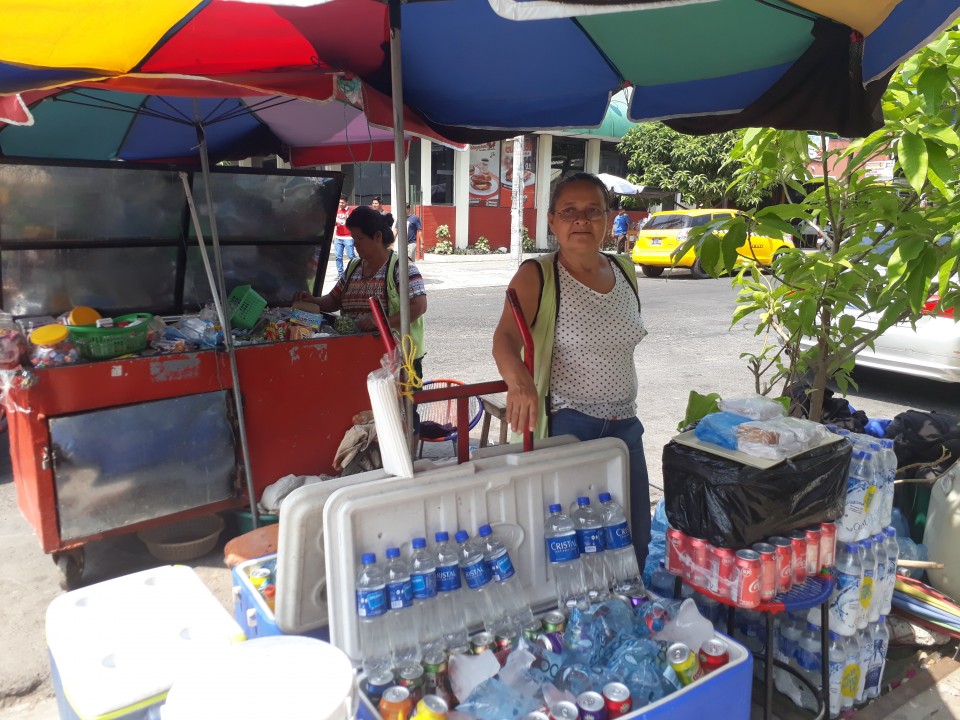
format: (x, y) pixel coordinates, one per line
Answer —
(510, 492)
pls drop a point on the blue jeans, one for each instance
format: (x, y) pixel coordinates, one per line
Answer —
(339, 245)
(585, 427)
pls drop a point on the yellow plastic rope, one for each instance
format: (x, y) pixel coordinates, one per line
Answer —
(413, 381)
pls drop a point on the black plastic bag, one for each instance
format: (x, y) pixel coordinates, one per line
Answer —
(733, 505)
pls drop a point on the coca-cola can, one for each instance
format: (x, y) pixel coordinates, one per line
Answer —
(748, 578)
(617, 698)
(828, 543)
(700, 558)
(799, 540)
(723, 576)
(813, 550)
(714, 654)
(784, 549)
(676, 549)
(768, 570)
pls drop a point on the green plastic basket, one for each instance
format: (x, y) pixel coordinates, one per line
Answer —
(95, 343)
(245, 307)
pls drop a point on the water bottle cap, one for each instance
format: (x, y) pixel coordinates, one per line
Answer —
(442, 536)
(419, 543)
(604, 497)
(834, 636)
(485, 530)
(878, 538)
(393, 553)
(368, 558)
(581, 501)
(812, 627)
(882, 619)
(555, 507)
(850, 547)
(843, 432)
(461, 536)
(887, 443)
(860, 454)
(890, 531)
(867, 455)
(866, 544)
(875, 446)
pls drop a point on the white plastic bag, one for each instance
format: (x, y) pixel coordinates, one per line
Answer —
(755, 407)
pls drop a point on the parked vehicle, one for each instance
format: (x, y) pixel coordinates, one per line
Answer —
(667, 230)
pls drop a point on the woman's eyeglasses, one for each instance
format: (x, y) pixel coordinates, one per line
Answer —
(570, 214)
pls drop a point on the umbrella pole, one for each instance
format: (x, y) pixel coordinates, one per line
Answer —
(225, 320)
(400, 201)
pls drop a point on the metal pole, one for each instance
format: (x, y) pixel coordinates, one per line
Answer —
(227, 330)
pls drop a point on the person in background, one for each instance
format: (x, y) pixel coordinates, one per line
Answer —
(377, 204)
(621, 224)
(342, 240)
(583, 310)
(414, 232)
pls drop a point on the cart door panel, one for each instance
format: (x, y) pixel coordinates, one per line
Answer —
(127, 464)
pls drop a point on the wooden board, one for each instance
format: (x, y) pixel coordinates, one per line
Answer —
(690, 439)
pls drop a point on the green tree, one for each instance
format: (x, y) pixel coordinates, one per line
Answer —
(698, 167)
(893, 245)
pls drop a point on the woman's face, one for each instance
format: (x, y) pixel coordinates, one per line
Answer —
(364, 244)
(569, 222)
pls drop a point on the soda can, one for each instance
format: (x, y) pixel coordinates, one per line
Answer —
(799, 540)
(684, 663)
(813, 550)
(396, 703)
(828, 543)
(554, 621)
(532, 630)
(432, 707)
(617, 699)
(713, 654)
(722, 576)
(552, 641)
(435, 662)
(507, 639)
(636, 597)
(674, 552)
(375, 685)
(768, 570)
(748, 579)
(784, 550)
(259, 576)
(564, 711)
(700, 559)
(591, 706)
(481, 642)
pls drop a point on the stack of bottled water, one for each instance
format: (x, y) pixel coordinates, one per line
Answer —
(870, 486)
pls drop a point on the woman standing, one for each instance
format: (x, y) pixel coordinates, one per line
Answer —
(584, 314)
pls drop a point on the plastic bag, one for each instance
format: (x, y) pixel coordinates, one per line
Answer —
(718, 428)
(779, 438)
(732, 505)
(755, 407)
(656, 550)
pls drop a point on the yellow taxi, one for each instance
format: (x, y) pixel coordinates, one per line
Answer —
(665, 231)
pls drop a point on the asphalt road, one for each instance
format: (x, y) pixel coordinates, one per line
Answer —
(690, 346)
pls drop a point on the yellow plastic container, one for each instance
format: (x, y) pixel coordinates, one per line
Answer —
(83, 315)
(49, 335)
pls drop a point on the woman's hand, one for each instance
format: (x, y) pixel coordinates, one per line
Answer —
(523, 403)
(366, 322)
(304, 296)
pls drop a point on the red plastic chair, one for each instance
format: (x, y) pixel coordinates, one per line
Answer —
(438, 419)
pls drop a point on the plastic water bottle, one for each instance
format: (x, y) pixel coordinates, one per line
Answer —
(375, 650)
(497, 558)
(788, 640)
(868, 562)
(663, 582)
(892, 549)
(888, 464)
(836, 662)
(589, 527)
(865, 637)
(560, 537)
(403, 621)
(850, 682)
(873, 501)
(853, 525)
(845, 603)
(485, 593)
(423, 577)
(880, 579)
(881, 642)
(809, 664)
(451, 601)
(622, 568)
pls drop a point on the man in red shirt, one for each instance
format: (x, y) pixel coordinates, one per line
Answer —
(342, 240)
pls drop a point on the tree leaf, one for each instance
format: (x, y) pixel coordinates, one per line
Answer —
(931, 84)
(731, 243)
(698, 407)
(913, 160)
(939, 170)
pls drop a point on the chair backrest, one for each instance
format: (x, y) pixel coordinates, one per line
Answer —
(444, 412)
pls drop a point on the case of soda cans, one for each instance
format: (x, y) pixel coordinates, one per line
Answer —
(511, 493)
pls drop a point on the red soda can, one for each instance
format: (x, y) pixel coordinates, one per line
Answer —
(617, 698)
(748, 578)
(723, 576)
(700, 558)
(813, 550)
(714, 654)
(676, 549)
(785, 560)
(768, 570)
(828, 543)
(799, 540)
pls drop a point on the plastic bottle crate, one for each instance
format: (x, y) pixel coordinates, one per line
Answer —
(245, 307)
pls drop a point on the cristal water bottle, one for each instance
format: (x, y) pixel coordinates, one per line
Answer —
(809, 664)
(560, 537)
(589, 527)
(837, 660)
(845, 602)
(623, 571)
(850, 683)
(485, 596)
(873, 501)
(880, 579)
(892, 548)
(451, 601)
(371, 589)
(423, 578)
(497, 558)
(853, 525)
(868, 564)
(881, 641)
(888, 464)
(865, 638)
(788, 640)
(403, 622)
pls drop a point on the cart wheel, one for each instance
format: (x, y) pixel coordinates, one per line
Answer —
(70, 564)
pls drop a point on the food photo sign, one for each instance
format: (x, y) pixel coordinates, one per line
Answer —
(529, 172)
(485, 175)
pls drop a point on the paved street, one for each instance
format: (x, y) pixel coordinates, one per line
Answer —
(690, 347)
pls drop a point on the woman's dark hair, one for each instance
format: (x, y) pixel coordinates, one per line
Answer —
(578, 177)
(370, 222)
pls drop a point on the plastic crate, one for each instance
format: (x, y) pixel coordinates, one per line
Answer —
(95, 343)
(245, 307)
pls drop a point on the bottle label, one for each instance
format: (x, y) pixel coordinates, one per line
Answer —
(500, 566)
(476, 574)
(424, 585)
(868, 497)
(590, 540)
(617, 536)
(371, 603)
(562, 548)
(401, 594)
(807, 659)
(850, 682)
(873, 677)
(847, 599)
(866, 590)
(448, 578)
